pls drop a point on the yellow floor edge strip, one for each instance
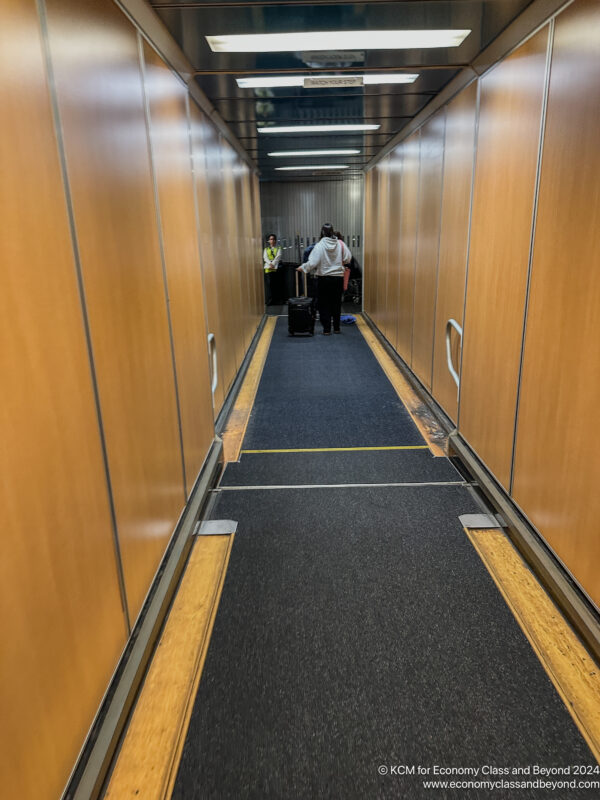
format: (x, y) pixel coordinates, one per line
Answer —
(149, 757)
(568, 664)
(340, 449)
(433, 434)
(237, 423)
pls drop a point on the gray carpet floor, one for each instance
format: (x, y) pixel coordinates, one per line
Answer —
(326, 391)
(380, 466)
(358, 628)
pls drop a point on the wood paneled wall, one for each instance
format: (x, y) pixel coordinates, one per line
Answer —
(370, 233)
(383, 185)
(170, 140)
(410, 153)
(557, 461)
(105, 373)
(454, 239)
(201, 134)
(510, 112)
(60, 608)
(110, 180)
(530, 351)
(428, 226)
(393, 276)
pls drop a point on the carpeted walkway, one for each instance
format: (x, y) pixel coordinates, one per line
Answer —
(326, 391)
(363, 466)
(358, 630)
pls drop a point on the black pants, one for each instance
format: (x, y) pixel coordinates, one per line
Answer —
(330, 301)
(271, 288)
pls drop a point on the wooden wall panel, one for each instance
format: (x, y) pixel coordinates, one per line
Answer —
(251, 254)
(96, 66)
(507, 152)
(222, 257)
(201, 132)
(172, 165)
(381, 240)
(62, 623)
(428, 225)
(232, 257)
(242, 266)
(367, 239)
(408, 244)
(557, 459)
(454, 238)
(257, 248)
(393, 283)
(370, 276)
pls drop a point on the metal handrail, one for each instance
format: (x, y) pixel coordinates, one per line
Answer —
(212, 346)
(452, 323)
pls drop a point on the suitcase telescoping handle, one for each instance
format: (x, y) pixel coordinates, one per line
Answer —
(297, 289)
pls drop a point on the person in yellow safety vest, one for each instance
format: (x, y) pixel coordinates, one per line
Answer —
(271, 258)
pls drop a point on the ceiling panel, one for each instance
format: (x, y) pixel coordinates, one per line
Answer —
(391, 105)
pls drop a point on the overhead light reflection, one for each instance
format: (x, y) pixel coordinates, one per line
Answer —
(314, 153)
(283, 81)
(314, 166)
(323, 41)
(318, 128)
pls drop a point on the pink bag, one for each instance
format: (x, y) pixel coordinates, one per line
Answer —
(346, 269)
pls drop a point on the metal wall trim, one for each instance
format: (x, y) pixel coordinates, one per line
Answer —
(148, 121)
(534, 210)
(52, 92)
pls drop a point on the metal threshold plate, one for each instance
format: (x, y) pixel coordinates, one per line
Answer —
(481, 521)
(216, 527)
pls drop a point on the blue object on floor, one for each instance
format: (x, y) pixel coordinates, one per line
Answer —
(347, 319)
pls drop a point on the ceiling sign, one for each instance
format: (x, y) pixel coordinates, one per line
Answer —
(333, 82)
(334, 56)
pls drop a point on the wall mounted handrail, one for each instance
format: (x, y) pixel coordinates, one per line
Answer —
(452, 323)
(212, 348)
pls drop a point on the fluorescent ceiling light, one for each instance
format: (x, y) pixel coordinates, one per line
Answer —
(282, 81)
(316, 166)
(318, 128)
(322, 41)
(393, 77)
(270, 82)
(315, 153)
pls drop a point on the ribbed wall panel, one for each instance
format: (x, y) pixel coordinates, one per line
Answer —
(296, 210)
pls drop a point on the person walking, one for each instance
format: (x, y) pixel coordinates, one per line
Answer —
(327, 261)
(271, 259)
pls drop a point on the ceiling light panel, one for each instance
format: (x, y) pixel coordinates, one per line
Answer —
(318, 128)
(315, 153)
(314, 166)
(322, 41)
(283, 81)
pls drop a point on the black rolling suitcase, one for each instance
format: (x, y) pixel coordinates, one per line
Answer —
(301, 312)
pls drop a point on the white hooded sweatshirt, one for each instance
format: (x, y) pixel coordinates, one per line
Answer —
(328, 257)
